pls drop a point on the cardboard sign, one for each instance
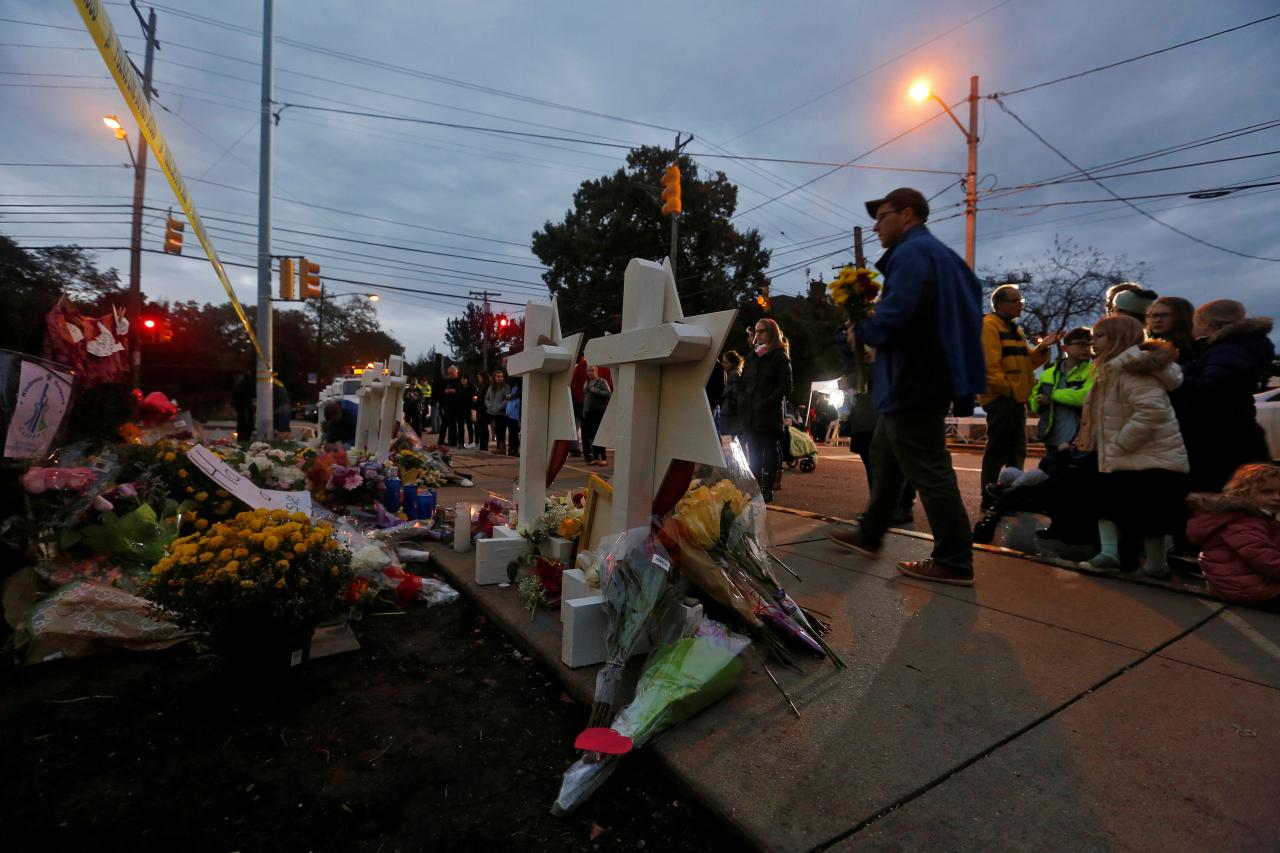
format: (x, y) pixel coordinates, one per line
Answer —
(42, 397)
(245, 489)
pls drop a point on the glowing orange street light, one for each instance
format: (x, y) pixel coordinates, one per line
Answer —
(920, 92)
(372, 297)
(114, 123)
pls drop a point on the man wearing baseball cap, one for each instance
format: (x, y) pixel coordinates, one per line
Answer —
(927, 332)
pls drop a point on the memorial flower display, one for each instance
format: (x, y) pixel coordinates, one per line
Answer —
(260, 571)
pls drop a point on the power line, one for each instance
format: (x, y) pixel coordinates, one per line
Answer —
(437, 78)
(867, 153)
(1114, 195)
(997, 95)
(869, 71)
(1063, 203)
(1077, 179)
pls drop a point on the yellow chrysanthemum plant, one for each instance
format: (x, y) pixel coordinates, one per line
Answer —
(856, 290)
(261, 572)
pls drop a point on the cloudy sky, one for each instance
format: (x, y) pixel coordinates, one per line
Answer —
(822, 81)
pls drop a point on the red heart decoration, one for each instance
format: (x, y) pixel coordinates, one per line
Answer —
(603, 740)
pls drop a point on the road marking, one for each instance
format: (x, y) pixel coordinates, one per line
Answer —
(853, 457)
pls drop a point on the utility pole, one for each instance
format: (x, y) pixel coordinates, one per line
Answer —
(265, 392)
(675, 217)
(139, 193)
(971, 179)
(483, 296)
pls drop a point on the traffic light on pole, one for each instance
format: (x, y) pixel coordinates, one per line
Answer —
(286, 278)
(309, 278)
(671, 191)
(173, 235)
(503, 326)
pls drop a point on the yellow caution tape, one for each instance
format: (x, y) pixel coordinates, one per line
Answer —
(104, 36)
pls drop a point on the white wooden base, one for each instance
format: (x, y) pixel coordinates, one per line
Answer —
(493, 555)
(556, 548)
(582, 637)
(573, 585)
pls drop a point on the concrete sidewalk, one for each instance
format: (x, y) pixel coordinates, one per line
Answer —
(1043, 708)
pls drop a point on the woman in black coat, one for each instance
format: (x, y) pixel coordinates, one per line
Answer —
(766, 381)
(1214, 404)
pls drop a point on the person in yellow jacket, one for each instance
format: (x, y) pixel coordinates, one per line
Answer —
(1011, 366)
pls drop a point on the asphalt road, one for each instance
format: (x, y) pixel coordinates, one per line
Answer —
(838, 487)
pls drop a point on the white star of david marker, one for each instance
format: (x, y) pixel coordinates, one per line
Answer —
(659, 409)
(546, 407)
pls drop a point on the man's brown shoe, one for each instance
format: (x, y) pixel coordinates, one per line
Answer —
(853, 539)
(928, 570)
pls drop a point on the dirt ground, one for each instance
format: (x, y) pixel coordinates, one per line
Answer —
(438, 734)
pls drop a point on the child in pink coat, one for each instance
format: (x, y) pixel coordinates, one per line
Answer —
(1239, 536)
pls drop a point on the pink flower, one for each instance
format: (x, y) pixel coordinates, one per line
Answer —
(101, 504)
(33, 481)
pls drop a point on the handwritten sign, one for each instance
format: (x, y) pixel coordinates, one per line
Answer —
(245, 489)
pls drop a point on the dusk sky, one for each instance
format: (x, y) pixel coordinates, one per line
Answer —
(822, 81)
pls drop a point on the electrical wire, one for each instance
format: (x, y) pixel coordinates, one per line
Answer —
(1114, 195)
(866, 153)
(869, 71)
(998, 95)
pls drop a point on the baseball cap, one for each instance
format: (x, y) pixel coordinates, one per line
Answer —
(900, 198)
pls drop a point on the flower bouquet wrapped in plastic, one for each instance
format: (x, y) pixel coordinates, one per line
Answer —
(723, 516)
(639, 588)
(679, 680)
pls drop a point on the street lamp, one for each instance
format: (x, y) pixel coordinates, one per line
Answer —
(372, 297)
(135, 242)
(921, 92)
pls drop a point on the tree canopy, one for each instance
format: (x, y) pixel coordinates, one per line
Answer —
(618, 217)
(466, 336)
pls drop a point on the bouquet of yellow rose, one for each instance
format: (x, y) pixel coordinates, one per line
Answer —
(263, 570)
(856, 290)
(718, 528)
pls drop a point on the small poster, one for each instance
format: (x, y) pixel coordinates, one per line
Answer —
(40, 402)
(244, 488)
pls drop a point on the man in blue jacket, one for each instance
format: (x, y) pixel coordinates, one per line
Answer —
(927, 333)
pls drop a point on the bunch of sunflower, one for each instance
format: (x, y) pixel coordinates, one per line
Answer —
(856, 290)
(261, 571)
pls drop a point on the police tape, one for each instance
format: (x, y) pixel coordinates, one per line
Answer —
(98, 24)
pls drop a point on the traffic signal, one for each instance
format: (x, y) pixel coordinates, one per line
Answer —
(173, 235)
(309, 278)
(671, 191)
(286, 278)
(762, 297)
(504, 325)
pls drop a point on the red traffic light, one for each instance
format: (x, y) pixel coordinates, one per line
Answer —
(502, 322)
(149, 323)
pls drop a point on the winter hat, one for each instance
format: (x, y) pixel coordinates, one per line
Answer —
(1135, 302)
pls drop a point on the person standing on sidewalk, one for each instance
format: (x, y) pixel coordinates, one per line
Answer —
(495, 404)
(766, 381)
(595, 399)
(927, 331)
(1011, 366)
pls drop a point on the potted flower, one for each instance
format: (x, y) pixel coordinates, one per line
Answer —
(257, 583)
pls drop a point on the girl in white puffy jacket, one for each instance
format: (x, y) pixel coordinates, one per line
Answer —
(1129, 422)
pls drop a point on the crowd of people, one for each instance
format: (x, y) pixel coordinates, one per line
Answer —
(1146, 417)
